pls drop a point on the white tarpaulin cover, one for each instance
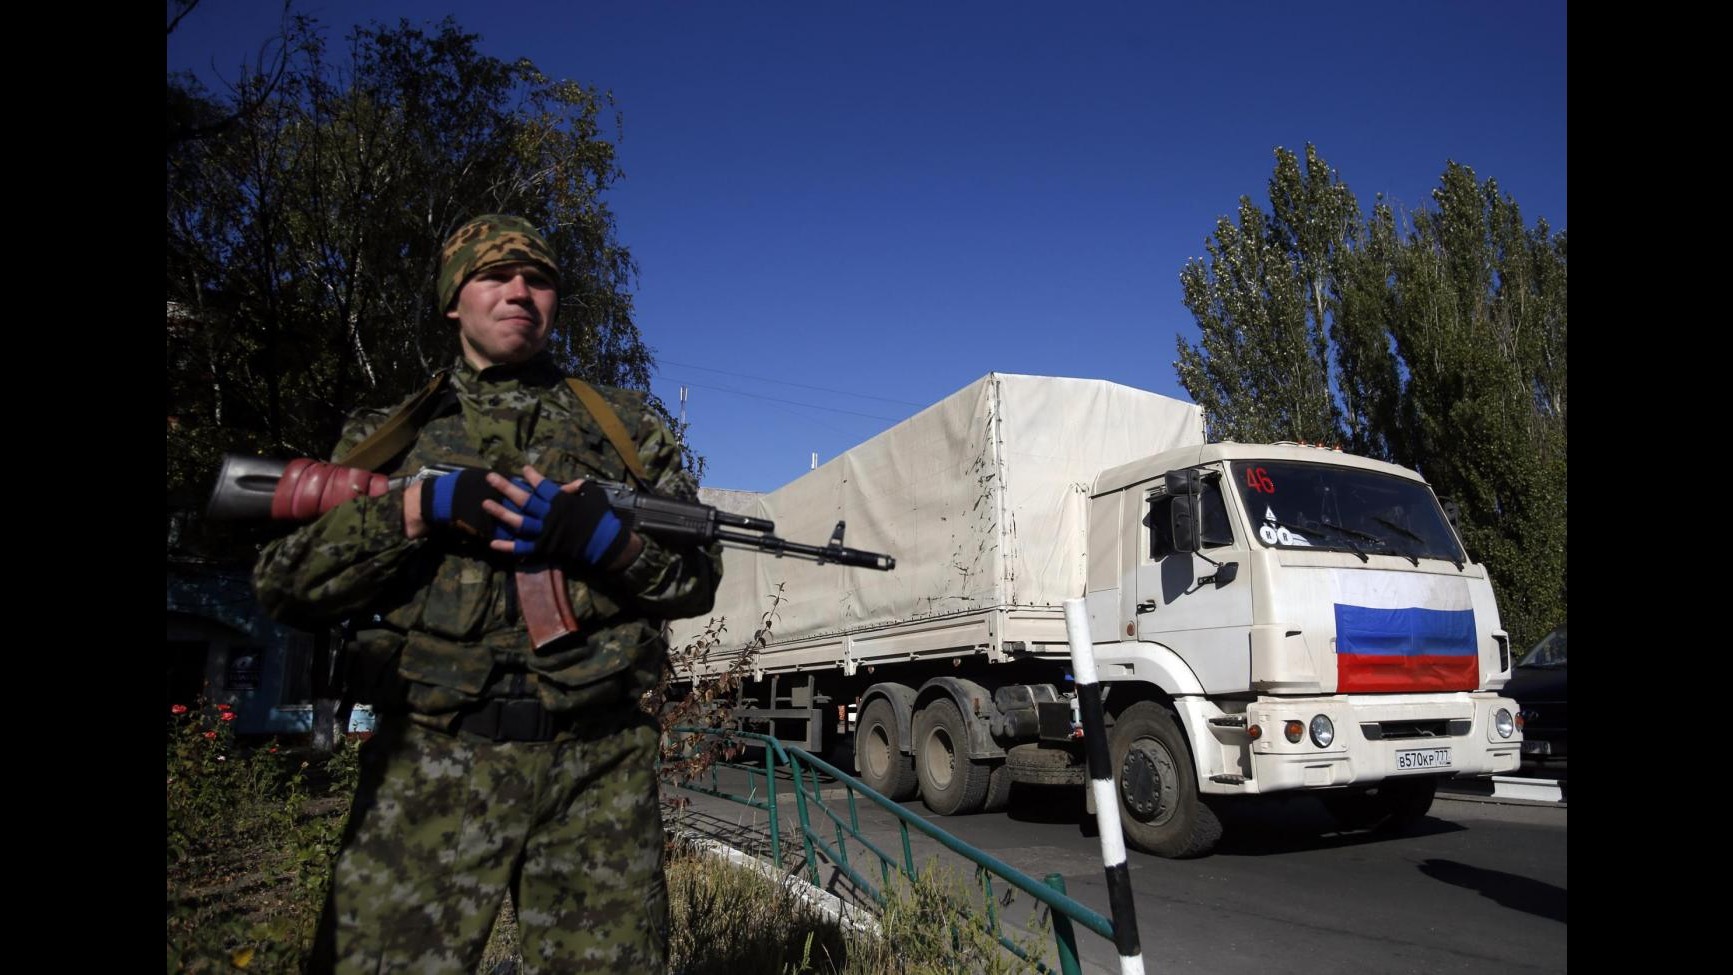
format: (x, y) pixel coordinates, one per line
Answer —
(981, 498)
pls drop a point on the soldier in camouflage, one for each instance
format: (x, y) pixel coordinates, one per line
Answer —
(498, 768)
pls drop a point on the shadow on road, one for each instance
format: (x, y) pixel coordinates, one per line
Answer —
(1292, 824)
(1046, 804)
(1517, 893)
(1262, 827)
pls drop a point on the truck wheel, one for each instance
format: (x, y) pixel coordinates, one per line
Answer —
(951, 784)
(1159, 805)
(1031, 763)
(878, 755)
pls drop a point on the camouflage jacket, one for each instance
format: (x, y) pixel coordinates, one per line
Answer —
(437, 618)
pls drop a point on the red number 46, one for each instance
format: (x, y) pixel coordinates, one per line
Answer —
(1259, 481)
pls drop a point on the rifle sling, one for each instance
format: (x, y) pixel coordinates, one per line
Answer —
(397, 432)
(611, 425)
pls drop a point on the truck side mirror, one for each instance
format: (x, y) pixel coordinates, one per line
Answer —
(1184, 483)
(1452, 513)
(1182, 512)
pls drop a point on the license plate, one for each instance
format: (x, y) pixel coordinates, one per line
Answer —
(1419, 758)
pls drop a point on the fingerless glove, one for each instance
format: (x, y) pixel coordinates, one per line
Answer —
(582, 527)
(454, 501)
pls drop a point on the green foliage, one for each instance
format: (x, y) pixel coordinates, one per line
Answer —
(1262, 301)
(1439, 345)
(305, 209)
(1479, 324)
(252, 830)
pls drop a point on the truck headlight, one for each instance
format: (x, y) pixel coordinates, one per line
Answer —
(1503, 722)
(1323, 730)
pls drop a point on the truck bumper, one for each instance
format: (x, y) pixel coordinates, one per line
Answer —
(1375, 738)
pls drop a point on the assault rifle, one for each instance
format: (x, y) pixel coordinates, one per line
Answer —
(258, 488)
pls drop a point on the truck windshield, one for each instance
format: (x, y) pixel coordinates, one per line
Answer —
(1295, 505)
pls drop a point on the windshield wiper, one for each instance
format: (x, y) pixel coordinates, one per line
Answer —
(1290, 526)
(1387, 523)
(1349, 533)
(1380, 519)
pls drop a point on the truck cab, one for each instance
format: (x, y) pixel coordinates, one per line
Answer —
(1309, 618)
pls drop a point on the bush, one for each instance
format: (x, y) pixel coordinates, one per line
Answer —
(252, 829)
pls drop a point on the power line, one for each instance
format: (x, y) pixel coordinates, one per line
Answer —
(784, 382)
(775, 399)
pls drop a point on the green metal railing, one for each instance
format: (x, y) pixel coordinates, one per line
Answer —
(801, 769)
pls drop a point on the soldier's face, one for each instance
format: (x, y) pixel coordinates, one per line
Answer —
(504, 314)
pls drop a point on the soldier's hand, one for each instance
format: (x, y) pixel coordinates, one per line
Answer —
(522, 509)
(459, 501)
(570, 522)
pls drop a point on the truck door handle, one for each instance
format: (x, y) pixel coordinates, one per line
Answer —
(1147, 606)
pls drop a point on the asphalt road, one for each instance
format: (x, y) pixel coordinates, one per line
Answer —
(1477, 886)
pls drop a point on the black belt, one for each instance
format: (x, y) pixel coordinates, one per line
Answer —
(514, 719)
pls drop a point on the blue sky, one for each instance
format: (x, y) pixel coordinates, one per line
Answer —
(845, 212)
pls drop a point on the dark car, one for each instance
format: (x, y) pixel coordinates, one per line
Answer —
(1538, 686)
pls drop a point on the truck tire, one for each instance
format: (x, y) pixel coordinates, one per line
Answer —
(878, 753)
(1159, 805)
(951, 784)
(1035, 765)
(998, 789)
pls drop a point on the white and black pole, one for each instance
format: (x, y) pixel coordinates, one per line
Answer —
(1101, 783)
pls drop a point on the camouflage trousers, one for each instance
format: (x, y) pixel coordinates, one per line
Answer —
(443, 827)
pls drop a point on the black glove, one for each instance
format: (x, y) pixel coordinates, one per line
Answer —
(454, 500)
(582, 527)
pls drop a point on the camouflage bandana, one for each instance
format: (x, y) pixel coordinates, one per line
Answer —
(493, 238)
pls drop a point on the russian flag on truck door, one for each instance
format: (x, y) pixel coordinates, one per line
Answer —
(1405, 649)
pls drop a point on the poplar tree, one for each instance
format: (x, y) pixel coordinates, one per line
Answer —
(1435, 340)
(1478, 321)
(1264, 302)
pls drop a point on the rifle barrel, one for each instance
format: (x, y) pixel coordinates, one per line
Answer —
(820, 553)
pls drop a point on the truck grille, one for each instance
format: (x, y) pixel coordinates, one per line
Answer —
(1398, 730)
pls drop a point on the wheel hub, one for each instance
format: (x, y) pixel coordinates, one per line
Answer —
(1145, 776)
(878, 753)
(940, 758)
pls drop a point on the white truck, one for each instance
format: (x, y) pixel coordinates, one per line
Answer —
(1265, 618)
